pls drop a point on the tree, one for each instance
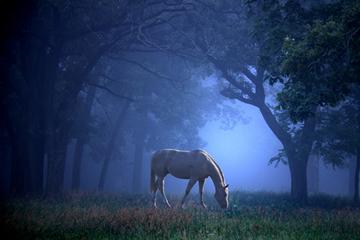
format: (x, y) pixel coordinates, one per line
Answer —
(82, 126)
(110, 146)
(339, 137)
(323, 63)
(224, 35)
(321, 66)
(262, 42)
(47, 65)
(171, 105)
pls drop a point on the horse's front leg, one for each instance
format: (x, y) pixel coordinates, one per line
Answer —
(201, 190)
(187, 191)
(154, 194)
(162, 190)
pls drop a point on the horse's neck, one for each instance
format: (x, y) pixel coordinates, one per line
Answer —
(215, 177)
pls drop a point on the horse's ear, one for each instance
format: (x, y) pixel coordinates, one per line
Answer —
(226, 186)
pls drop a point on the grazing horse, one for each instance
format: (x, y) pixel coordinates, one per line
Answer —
(194, 165)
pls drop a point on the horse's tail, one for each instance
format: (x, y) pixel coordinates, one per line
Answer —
(152, 177)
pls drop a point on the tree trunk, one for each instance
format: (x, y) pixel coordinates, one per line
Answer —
(298, 167)
(57, 129)
(356, 177)
(28, 124)
(313, 173)
(17, 168)
(138, 160)
(110, 146)
(297, 153)
(60, 125)
(49, 107)
(357, 168)
(56, 163)
(38, 66)
(351, 169)
(36, 164)
(79, 148)
(76, 170)
(33, 57)
(17, 181)
(63, 121)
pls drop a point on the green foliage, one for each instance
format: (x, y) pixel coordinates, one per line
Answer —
(338, 132)
(315, 70)
(321, 63)
(279, 158)
(251, 216)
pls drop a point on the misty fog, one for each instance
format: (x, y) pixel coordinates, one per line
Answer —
(92, 89)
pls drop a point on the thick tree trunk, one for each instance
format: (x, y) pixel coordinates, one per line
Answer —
(298, 174)
(138, 160)
(313, 173)
(83, 121)
(110, 146)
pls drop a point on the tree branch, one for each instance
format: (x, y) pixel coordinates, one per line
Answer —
(111, 91)
(280, 133)
(230, 93)
(147, 69)
(230, 78)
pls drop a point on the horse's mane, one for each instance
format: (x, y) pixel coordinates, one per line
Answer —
(216, 165)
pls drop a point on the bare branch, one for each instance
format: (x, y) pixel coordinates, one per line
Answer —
(167, 10)
(106, 114)
(111, 91)
(231, 79)
(147, 69)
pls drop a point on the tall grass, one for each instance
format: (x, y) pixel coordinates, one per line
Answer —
(251, 216)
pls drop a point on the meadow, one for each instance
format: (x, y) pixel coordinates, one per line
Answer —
(108, 216)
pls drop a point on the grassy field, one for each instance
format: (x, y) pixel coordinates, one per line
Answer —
(251, 216)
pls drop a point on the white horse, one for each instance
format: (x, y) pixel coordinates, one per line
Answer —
(195, 165)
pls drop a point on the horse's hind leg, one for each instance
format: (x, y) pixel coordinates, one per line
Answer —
(162, 190)
(187, 191)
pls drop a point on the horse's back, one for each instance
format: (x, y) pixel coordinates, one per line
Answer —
(180, 163)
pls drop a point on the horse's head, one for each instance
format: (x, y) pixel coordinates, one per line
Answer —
(221, 196)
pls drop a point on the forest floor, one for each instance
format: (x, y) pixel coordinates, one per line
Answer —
(250, 216)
